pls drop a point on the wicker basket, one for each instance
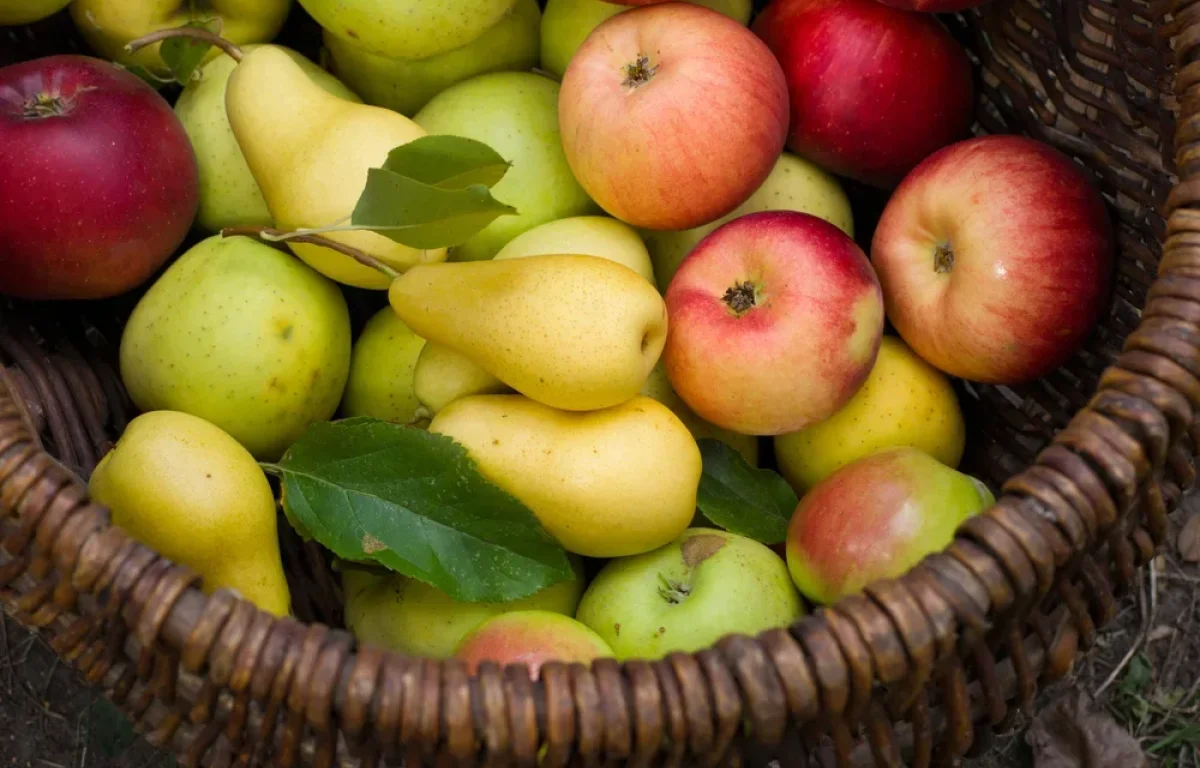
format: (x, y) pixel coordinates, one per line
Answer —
(1090, 460)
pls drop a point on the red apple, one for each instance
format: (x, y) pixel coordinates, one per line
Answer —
(995, 256)
(934, 6)
(98, 181)
(775, 319)
(876, 518)
(672, 115)
(532, 638)
(874, 89)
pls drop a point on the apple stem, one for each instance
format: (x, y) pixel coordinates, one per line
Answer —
(943, 259)
(270, 235)
(195, 33)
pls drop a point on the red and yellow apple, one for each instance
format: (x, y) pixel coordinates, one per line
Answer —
(934, 6)
(875, 519)
(98, 181)
(531, 638)
(672, 115)
(775, 320)
(874, 89)
(995, 257)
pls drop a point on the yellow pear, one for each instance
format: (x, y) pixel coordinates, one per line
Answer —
(601, 236)
(905, 402)
(658, 386)
(607, 483)
(193, 494)
(571, 331)
(17, 12)
(442, 375)
(310, 152)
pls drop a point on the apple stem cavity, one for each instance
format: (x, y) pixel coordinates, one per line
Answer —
(640, 72)
(195, 33)
(943, 258)
(44, 105)
(741, 298)
(270, 235)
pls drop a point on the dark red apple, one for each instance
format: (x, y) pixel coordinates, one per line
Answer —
(98, 180)
(874, 89)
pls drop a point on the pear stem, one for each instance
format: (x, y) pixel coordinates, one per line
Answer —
(195, 33)
(270, 235)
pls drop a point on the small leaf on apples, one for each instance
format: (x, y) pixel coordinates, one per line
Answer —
(752, 502)
(420, 215)
(448, 162)
(154, 80)
(412, 501)
(183, 55)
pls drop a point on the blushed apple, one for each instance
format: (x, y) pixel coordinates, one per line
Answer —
(874, 89)
(672, 115)
(531, 638)
(794, 184)
(935, 6)
(774, 322)
(876, 518)
(995, 256)
(686, 595)
(98, 181)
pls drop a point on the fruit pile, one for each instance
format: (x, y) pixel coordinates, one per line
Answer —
(628, 383)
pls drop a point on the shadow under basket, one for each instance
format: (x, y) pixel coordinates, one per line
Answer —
(918, 670)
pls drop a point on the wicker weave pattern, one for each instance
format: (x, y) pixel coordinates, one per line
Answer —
(918, 670)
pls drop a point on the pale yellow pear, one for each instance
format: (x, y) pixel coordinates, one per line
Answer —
(658, 386)
(15, 12)
(601, 236)
(574, 332)
(194, 495)
(108, 25)
(397, 613)
(442, 375)
(607, 483)
(310, 152)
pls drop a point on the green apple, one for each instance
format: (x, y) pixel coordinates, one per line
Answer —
(381, 370)
(108, 25)
(567, 23)
(658, 386)
(398, 613)
(242, 335)
(532, 638)
(229, 195)
(601, 236)
(686, 595)
(795, 184)
(516, 114)
(408, 29)
(875, 519)
(406, 85)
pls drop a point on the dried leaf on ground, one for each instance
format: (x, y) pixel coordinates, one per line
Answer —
(1070, 733)
(1189, 539)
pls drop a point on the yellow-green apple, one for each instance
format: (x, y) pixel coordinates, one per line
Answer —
(382, 366)
(397, 613)
(229, 195)
(532, 638)
(876, 518)
(585, 235)
(874, 89)
(407, 29)
(567, 23)
(405, 85)
(794, 184)
(108, 25)
(18, 12)
(516, 114)
(904, 402)
(774, 322)
(686, 595)
(98, 181)
(672, 115)
(995, 256)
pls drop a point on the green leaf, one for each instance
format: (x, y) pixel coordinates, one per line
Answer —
(413, 501)
(422, 216)
(742, 499)
(183, 55)
(448, 162)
